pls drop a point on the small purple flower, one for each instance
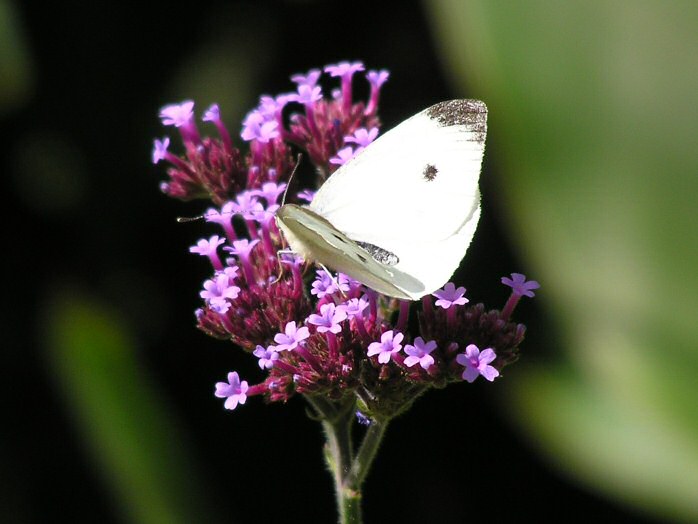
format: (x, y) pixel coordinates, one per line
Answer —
(206, 247)
(362, 137)
(234, 391)
(256, 127)
(270, 192)
(329, 318)
(247, 205)
(177, 115)
(420, 352)
(307, 195)
(389, 344)
(477, 363)
(266, 356)
(519, 286)
(354, 306)
(307, 95)
(289, 340)
(449, 296)
(344, 69)
(377, 78)
(343, 156)
(217, 293)
(242, 248)
(231, 272)
(160, 149)
(212, 114)
(323, 284)
(309, 79)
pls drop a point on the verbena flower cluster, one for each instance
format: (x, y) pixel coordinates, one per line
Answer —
(313, 332)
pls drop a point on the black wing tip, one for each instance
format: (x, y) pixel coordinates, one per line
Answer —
(463, 112)
(470, 113)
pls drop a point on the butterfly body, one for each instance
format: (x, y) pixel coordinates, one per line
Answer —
(400, 215)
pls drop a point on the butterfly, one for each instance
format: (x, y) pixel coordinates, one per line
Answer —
(400, 215)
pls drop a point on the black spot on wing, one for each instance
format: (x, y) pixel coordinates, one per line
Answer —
(469, 113)
(362, 258)
(379, 254)
(430, 172)
(340, 238)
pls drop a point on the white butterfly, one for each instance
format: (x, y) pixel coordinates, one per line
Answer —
(400, 215)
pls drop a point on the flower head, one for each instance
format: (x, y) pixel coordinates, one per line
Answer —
(477, 363)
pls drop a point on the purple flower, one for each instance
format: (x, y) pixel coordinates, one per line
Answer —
(307, 95)
(343, 156)
(289, 340)
(234, 391)
(242, 248)
(247, 205)
(377, 78)
(177, 115)
(218, 291)
(420, 352)
(307, 195)
(206, 247)
(309, 79)
(354, 306)
(477, 363)
(362, 137)
(344, 69)
(212, 114)
(270, 192)
(326, 284)
(323, 284)
(256, 127)
(388, 345)
(160, 149)
(329, 318)
(519, 286)
(266, 356)
(449, 296)
(231, 272)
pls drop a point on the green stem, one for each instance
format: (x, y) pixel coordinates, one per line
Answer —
(367, 452)
(348, 471)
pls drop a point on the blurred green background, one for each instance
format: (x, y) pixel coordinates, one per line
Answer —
(590, 182)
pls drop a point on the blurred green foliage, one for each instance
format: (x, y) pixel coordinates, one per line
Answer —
(124, 420)
(594, 122)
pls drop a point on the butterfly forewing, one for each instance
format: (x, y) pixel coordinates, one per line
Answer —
(412, 193)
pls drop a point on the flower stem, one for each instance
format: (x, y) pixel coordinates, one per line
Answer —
(348, 470)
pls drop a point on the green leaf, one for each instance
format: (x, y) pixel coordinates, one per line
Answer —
(127, 426)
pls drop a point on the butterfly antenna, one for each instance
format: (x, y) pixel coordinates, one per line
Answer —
(288, 184)
(183, 220)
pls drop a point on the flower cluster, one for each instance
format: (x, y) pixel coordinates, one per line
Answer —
(319, 334)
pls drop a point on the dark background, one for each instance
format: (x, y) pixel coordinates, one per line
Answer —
(92, 223)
